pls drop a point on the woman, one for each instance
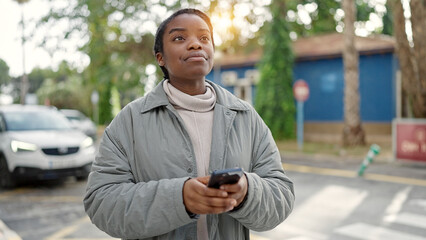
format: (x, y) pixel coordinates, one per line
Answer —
(149, 179)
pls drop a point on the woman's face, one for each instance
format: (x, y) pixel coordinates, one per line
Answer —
(187, 48)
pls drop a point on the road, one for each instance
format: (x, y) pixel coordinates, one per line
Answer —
(332, 202)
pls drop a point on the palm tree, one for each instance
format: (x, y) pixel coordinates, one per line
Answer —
(353, 133)
(24, 80)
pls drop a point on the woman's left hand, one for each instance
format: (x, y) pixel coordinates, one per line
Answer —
(238, 191)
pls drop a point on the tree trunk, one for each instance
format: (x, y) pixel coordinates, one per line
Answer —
(412, 60)
(418, 22)
(353, 133)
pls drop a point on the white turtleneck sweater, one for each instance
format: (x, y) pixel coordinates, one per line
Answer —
(197, 114)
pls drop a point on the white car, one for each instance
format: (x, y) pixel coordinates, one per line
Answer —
(37, 142)
(80, 121)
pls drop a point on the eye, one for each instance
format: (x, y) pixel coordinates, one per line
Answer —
(178, 38)
(205, 38)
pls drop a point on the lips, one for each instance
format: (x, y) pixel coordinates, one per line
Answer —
(195, 56)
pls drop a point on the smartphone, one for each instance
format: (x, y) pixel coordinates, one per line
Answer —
(225, 176)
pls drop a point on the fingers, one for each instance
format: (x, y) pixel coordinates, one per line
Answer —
(204, 180)
(200, 199)
(241, 185)
(237, 191)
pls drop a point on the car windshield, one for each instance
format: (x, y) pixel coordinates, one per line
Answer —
(36, 120)
(76, 118)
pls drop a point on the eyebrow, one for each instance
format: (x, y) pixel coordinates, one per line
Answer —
(184, 29)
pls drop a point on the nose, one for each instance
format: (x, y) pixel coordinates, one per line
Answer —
(194, 44)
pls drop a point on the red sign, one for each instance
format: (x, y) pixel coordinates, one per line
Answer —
(410, 139)
(301, 90)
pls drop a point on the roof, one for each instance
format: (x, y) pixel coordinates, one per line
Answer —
(316, 47)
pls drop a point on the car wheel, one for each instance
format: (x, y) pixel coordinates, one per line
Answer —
(81, 178)
(83, 174)
(6, 178)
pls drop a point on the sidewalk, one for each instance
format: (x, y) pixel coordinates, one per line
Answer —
(6, 233)
(383, 164)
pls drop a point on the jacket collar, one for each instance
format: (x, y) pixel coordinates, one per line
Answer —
(157, 97)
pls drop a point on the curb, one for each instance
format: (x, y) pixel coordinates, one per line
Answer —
(7, 234)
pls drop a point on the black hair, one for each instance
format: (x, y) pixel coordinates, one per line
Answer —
(158, 42)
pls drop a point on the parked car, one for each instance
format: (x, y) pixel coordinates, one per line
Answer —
(37, 142)
(80, 121)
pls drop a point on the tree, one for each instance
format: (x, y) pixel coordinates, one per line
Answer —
(353, 134)
(4, 73)
(63, 88)
(274, 96)
(412, 60)
(24, 81)
(118, 44)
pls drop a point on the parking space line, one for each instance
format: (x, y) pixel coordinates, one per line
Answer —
(71, 199)
(353, 174)
(8, 194)
(256, 237)
(63, 233)
(321, 171)
(68, 230)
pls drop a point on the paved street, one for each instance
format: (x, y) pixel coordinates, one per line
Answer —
(332, 202)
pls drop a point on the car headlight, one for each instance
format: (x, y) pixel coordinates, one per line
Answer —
(18, 146)
(87, 142)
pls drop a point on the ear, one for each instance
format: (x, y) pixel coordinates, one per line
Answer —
(160, 59)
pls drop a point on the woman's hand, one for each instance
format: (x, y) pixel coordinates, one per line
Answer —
(200, 199)
(237, 191)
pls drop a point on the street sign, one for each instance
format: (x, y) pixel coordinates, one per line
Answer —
(301, 93)
(301, 90)
(409, 139)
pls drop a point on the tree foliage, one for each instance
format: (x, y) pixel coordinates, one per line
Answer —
(4, 73)
(117, 35)
(311, 17)
(63, 88)
(274, 97)
(118, 46)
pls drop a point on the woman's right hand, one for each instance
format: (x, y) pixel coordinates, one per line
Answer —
(200, 199)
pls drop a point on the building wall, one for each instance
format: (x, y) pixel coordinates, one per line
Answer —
(323, 111)
(326, 83)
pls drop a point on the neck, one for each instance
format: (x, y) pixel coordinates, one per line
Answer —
(189, 87)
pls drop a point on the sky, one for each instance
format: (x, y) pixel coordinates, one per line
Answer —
(11, 34)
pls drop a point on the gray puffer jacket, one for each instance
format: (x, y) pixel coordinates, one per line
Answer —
(135, 188)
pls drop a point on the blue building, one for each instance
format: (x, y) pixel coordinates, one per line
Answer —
(319, 62)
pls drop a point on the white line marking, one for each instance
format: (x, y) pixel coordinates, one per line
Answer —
(327, 208)
(301, 238)
(419, 202)
(256, 237)
(395, 207)
(285, 229)
(366, 231)
(411, 219)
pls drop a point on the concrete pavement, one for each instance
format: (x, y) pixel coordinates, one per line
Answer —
(6, 233)
(410, 173)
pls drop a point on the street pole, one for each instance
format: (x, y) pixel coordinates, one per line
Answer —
(372, 152)
(300, 125)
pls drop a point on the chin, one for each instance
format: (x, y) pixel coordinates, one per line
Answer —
(198, 74)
